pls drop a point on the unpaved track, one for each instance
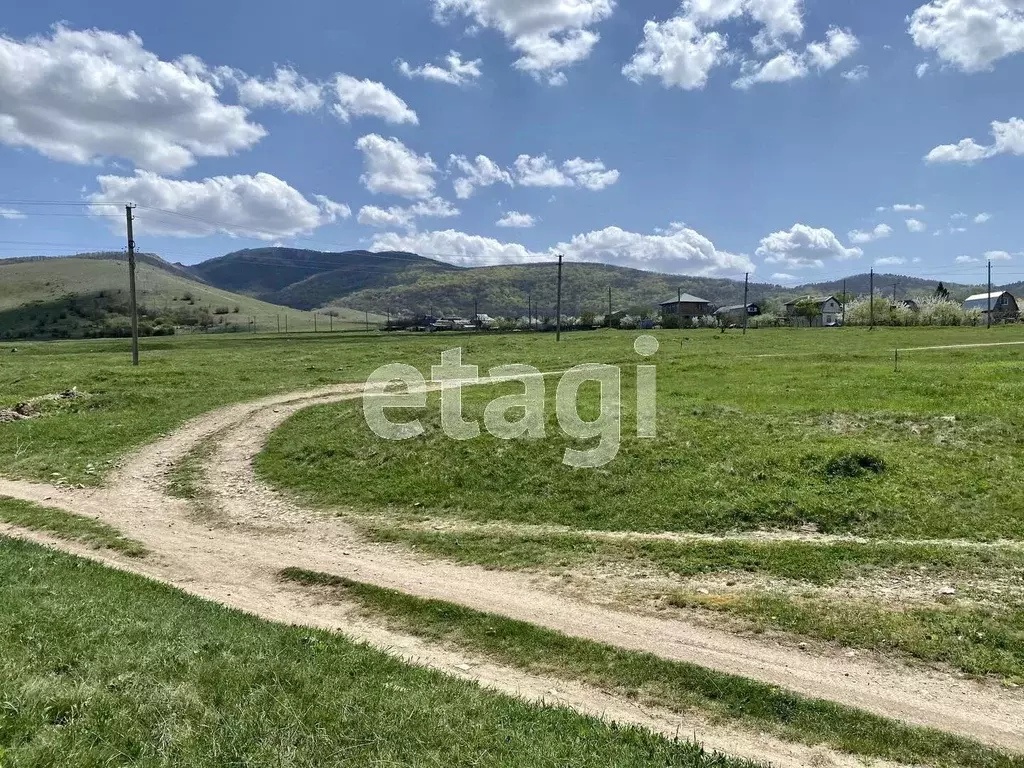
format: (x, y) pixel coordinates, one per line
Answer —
(259, 532)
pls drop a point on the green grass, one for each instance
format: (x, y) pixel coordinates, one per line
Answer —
(979, 641)
(655, 681)
(185, 480)
(68, 526)
(744, 442)
(818, 564)
(101, 668)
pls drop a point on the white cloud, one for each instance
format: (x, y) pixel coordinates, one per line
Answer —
(288, 90)
(784, 277)
(392, 168)
(788, 65)
(678, 53)
(590, 174)
(456, 71)
(998, 256)
(481, 172)
(857, 74)
(11, 214)
(803, 247)
(958, 216)
(367, 98)
(1008, 139)
(880, 232)
(907, 207)
(82, 96)
(542, 172)
(680, 250)
(966, 260)
(969, 34)
(515, 219)
(549, 34)
(839, 44)
(983, 218)
(890, 261)
(916, 225)
(683, 50)
(260, 206)
(922, 69)
(397, 216)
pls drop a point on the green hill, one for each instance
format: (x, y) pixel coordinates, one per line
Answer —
(308, 279)
(87, 296)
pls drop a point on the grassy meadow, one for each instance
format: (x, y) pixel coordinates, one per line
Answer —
(101, 668)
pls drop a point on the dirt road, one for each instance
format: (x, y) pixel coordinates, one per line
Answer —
(232, 557)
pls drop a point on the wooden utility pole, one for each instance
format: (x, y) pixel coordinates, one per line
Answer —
(286, 324)
(746, 307)
(314, 322)
(608, 322)
(366, 317)
(679, 306)
(133, 300)
(990, 293)
(872, 298)
(529, 304)
(846, 300)
(558, 308)
(476, 313)
(331, 315)
(278, 323)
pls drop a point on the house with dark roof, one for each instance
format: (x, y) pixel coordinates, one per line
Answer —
(736, 313)
(1002, 304)
(685, 308)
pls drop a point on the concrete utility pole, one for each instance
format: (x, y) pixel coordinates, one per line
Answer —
(990, 293)
(133, 302)
(558, 308)
(746, 308)
(872, 298)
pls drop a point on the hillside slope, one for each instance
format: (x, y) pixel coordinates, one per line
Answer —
(268, 272)
(70, 297)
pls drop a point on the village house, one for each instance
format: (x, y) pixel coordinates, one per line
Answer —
(1003, 305)
(830, 311)
(736, 313)
(685, 309)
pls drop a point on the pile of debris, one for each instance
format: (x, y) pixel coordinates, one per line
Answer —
(30, 410)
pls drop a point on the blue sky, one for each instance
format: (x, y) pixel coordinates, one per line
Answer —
(710, 137)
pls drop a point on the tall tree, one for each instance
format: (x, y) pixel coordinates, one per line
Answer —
(941, 292)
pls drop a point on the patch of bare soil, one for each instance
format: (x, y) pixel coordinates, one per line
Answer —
(260, 532)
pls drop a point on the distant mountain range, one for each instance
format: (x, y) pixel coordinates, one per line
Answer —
(259, 283)
(408, 284)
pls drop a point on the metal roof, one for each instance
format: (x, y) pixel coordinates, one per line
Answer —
(985, 296)
(817, 300)
(686, 298)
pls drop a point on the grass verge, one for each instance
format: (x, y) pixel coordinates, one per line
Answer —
(101, 668)
(659, 682)
(68, 526)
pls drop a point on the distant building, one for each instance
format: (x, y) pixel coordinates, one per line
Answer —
(686, 308)
(1003, 304)
(736, 313)
(830, 311)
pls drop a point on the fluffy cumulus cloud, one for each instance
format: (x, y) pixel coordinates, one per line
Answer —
(79, 96)
(516, 220)
(392, 168)
(858, 237)
(362, 98)
(542, 172)
(405, 218)
(454, 72)
(549, 35)
(677, 250)
(480, 172)
(998, 255)
(805, 247)
(1008, 139)
(890, 261)
(916, 225)
(260, 206)
(683, 50)
(969, 34)
(288, 90)
(983, 218)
